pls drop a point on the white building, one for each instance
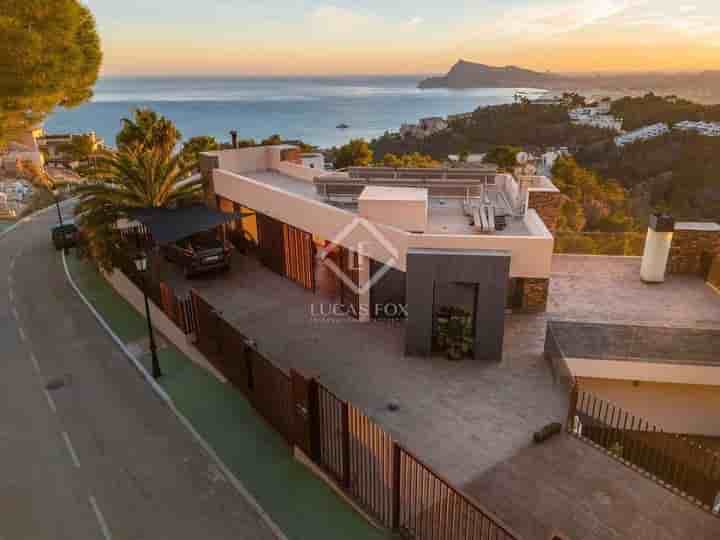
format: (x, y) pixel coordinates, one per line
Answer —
(596, 116)
(709, 129)
(17, 154)
(471, 158)
(642, 134)
(313, 160)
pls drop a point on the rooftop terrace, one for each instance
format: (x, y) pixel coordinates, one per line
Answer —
(445, 214)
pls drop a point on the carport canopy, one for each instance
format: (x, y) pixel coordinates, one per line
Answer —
(168, 225)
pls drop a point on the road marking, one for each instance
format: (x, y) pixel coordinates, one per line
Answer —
(35, 363)
(12, 264)
(11, 295)
(15, 313)
(71, 450)
(101, 519)
(23, 337)
(51, 401)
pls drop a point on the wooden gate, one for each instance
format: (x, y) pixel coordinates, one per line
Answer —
(299, 256)
(270, 243)
(287, 250)
(305, 426)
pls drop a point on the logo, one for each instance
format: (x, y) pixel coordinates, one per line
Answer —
(372, 238)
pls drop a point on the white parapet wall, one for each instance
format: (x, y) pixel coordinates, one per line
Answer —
(531, 256)
(129, 291)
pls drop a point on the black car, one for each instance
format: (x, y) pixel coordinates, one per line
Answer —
(199, 253)
(65, 235)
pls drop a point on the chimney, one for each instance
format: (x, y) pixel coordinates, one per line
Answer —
(233, 138)
(657, 248)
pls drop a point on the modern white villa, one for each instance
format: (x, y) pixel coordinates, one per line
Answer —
(386, 229)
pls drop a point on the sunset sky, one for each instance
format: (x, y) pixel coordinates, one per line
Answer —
(309, 37)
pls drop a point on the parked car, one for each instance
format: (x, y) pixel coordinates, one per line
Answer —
(65, 235)
(199, 253)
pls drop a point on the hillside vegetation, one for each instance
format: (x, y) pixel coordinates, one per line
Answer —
(651, 109)
(520, 124)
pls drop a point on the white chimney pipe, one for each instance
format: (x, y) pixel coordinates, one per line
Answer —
(657, 248)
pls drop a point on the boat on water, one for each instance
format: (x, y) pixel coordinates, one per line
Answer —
(342, 126)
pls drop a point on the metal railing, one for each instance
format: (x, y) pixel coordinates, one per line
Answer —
(673, 460)
(392, 485)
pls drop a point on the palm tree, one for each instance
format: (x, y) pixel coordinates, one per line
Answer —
(148, 130)
(134, 177)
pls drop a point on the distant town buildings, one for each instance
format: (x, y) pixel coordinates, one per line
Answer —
(55, 145)
(597, 116)
(424, 128)
(709, 129)
(642, 134)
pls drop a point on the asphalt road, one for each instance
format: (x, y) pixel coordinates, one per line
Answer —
(97, 455)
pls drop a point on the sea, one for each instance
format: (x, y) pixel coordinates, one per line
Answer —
(308, 109)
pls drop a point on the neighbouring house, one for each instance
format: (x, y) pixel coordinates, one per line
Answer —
(54, 144)
(313, 160)
(24, 149)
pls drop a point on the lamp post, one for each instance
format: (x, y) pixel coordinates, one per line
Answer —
(56, 194)
(141, 265)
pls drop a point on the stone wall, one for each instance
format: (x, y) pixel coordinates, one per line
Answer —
(535, 295)
(207, 163)
(714, 274)
(689, 245)
(547, 204)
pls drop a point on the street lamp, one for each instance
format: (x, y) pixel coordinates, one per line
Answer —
(56, 194)
(141, 265)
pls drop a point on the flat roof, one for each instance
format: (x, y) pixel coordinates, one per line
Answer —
(387, 193)
(445, 214)
(595, 288)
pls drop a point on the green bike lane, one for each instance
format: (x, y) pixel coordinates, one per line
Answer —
(302, 506)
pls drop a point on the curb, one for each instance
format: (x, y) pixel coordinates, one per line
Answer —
(30, 217)
(229, 475)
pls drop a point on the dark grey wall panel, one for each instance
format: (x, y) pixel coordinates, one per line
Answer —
(488, 269)
(389, 291)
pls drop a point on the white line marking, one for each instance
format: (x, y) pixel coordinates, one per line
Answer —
(35, 363)
(101, 519)
(22, 333)
(11, 295)
(15, 313)
(234, 481)
(12, 264)
(51, 401)
(70, 448)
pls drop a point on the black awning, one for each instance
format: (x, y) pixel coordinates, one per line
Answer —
(171, 224)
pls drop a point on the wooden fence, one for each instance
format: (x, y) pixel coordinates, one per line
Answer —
(670, 458)
(179, 310)
(392, 485)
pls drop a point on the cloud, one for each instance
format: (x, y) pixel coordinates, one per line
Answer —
(415, 21)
